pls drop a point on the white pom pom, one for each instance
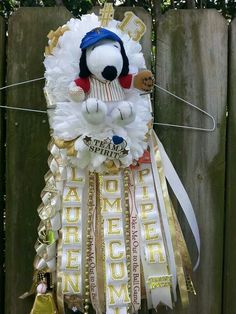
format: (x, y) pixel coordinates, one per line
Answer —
(42, 288)
(76, 92)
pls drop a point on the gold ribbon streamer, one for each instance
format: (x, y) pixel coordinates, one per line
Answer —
(178, 260)
(184, 254)
(168, 206)
(92, 273)
(127, 196)
(44, 303)
(182, 244)
(60, 297)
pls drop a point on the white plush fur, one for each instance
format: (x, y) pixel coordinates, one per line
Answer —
(106, 52)
(69, 120)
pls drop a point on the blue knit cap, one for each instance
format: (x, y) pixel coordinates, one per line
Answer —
(96, 35)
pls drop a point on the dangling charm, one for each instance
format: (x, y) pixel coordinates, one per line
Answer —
(44, 302)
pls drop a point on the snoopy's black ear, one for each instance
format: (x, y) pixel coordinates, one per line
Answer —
(84, 71)
(125, 69)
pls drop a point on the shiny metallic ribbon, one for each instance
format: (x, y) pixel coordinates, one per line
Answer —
(182, 245)
(178, 260)
(60, 297)
(187, 264)
(100, 252)
(50, 216)
(48, 228)
(55, 173)
(93, 282)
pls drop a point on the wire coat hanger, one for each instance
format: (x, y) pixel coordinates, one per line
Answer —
(155, 123)
(191, 105)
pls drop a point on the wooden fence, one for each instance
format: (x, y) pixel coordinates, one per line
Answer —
(196, 59)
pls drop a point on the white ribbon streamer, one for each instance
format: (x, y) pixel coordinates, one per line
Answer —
(181, 194)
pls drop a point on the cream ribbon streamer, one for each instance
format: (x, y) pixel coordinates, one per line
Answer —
(55, 175)
(180, 193)
(72, 236)
(117, 294)
(153, 252)
(135, 252)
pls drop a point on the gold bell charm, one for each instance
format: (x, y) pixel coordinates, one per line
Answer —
(44, 304)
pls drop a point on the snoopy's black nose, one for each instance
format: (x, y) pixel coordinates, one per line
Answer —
(109, 73)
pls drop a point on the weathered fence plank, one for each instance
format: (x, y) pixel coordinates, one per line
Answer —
(192, 62)
(2, 162)
(229, 305)
(27, 139)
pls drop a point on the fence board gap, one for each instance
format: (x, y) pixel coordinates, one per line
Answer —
(2, 162)
(229, 304)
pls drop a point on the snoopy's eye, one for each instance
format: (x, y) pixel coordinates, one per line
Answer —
(116, 46)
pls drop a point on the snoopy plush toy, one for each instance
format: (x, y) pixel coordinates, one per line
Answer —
(104, 74)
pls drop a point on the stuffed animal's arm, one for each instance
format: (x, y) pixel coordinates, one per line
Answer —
(78, 88)
(76, 93)
(144, 81)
